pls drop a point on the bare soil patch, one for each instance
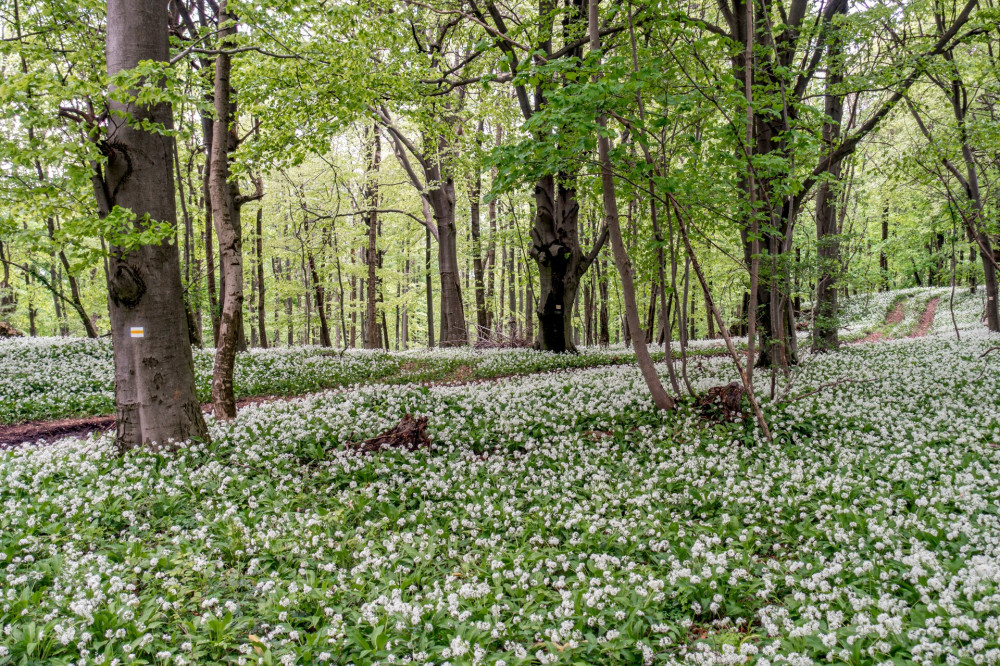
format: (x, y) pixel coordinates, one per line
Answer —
(460, 374)
(32, 431)
(892, 319)
(926, 319)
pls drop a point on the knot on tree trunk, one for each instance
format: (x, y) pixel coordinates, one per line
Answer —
(126, 286)
(410, 434)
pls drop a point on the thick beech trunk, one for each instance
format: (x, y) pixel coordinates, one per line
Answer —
(428, 287)
(155, 398)
(555, 247)
(453, 329)
(825, 315)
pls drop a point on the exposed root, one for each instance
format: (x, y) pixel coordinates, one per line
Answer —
(490, 339)
(724, 403)
(410, 434)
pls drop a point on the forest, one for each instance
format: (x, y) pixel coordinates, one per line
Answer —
(460, 332)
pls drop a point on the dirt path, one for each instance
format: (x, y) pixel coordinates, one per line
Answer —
(892, 319)
(926, 319)
(32, 431)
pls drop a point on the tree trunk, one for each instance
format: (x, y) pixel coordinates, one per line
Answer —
(645, 362)
(604, 334)
(261, 307)
(482, 319)
(959, 103)
(404, 323)
(825, 313)
(428, 287)
(511, 285)
(373, 336)
(76, 300)
(155, 398)
(226, 216)
(8, 301)
(561, 263)
(453, 330)
(213, 298)
(318, 293)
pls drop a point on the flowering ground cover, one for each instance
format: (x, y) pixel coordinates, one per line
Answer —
(556, 518)
(48, 378)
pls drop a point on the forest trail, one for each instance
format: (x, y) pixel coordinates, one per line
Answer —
(926, 319)
(896, 317)
(892, 319)
(16, 434)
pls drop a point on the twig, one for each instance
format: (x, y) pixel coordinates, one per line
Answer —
(838, 382)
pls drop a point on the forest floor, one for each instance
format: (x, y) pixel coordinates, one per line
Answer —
(432, 371)
(926, 319)
(319, 369)
(549, 517)
(56, 378)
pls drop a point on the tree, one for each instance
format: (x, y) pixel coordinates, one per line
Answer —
(555, 233)
(825, 331)
(155, 399)
(660, 396)
(436, 185)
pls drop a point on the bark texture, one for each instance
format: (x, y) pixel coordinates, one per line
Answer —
(827, 321)
(226, 216)
(155, 399)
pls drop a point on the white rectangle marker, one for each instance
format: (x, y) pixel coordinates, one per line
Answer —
(138, 332)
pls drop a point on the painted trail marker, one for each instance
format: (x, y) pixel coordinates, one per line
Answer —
(138, 332)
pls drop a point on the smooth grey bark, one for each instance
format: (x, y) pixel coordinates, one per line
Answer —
(155, 398)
